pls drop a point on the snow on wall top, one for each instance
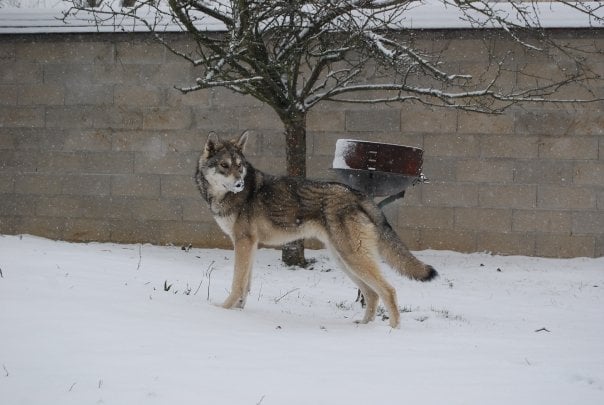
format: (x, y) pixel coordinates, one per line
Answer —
(46, 16)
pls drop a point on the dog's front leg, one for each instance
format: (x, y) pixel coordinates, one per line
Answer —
(245, 248)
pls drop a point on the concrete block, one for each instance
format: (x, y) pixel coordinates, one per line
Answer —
(411, 237)
(192, 140)
(8, 138)
(588, 223)
(272, 165)
(68, 75)
(218, 120)
(426, 120)
(509, 146)
(47, 227)
(508, 196)
(450, 194)
(21, 161)
(439, 169)
(34, 183)
(225, 98)
(448, 239)
(121, 74)
(41, 94)
(7, 183)
(117, 118)
(541, 221)
(318, 167)
(21, 117)
(599, 250)
(89, 95)
(88, 163)
(9, 94)
(272, 144)
(85, 52)
(451, 145)
(7, 224)
(137, 141)
(175, 98)
(196, 210)
(166, 164)
(475, 123)
(568, 147)
(485, 170)
(159, 210)
(166, 118)
(565, 246)
(87, 230)
(321, 119)
(258, 118)
(589, 174)
(7, 51)
(537, 171)
(139, 53)
(179, 186)
(170, 75)
(506, 243)
(560, 123)
(426, 217)
(144, 96)
(86, 184)
(93, 140)
(70, 117)
(483, 219)
(13, 205)
(41, 139)
(135, 231)
(20, 73)
(195, 233)
(373, 120)
(465, 50)
(135, 185)
(561, 197)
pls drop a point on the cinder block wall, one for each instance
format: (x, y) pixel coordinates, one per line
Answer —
(97, 145)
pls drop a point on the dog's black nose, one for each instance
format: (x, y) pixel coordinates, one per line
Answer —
(239, 185)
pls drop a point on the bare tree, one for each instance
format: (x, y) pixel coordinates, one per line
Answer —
(295, 54)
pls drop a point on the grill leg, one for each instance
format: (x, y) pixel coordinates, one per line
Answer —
(391, 199)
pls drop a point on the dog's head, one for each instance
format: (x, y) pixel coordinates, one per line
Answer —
(222, 163)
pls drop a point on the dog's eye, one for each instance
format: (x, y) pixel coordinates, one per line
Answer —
(224, 165)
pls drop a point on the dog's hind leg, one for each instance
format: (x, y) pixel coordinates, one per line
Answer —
(245, 249)
(368, 272)
(371, 297)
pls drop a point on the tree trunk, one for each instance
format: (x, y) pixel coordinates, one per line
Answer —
(292, 253)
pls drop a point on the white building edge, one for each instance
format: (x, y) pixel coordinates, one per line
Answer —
(40, 16)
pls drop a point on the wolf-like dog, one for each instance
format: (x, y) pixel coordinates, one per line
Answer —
(253, 207)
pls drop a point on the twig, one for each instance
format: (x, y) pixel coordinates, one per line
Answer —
(1, 275)
(286, 294)
(72, 385)
(210, 270)
(5, 370)
(201, 281)
(261, 399)
(542, 330)
(140, 256)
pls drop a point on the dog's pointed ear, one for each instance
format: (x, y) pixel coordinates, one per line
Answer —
(242, 140)
(210, 147)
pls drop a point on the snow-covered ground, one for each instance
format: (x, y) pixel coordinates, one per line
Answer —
(93, 324)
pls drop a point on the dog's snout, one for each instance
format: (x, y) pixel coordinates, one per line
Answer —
(239, 185)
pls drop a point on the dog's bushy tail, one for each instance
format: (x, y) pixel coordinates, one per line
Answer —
(395, 253)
